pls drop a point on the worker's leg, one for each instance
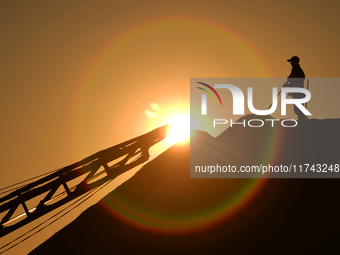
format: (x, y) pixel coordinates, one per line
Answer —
(300, 114)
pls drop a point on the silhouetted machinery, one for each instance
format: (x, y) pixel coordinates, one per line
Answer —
(96, 170)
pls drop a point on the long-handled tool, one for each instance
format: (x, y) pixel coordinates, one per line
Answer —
(278, 94)
(307, 89)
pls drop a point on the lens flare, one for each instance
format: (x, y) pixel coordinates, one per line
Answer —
(179, 130)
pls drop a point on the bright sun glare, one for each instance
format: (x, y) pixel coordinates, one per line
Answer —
(180, 129)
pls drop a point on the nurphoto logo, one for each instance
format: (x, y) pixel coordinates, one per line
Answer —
(300, 98)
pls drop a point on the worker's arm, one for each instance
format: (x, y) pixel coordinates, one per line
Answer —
(292, 75)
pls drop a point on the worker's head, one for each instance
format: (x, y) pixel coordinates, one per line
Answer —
(294, 60)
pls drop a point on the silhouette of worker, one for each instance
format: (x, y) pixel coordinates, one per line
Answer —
(296, 79)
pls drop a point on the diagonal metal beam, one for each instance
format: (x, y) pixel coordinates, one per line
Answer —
(88, 167)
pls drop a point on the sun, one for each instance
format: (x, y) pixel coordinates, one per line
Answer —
(179, 130)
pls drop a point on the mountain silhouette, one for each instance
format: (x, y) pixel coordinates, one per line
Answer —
(161, 210)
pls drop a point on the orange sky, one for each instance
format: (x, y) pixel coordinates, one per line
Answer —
(77, 76)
